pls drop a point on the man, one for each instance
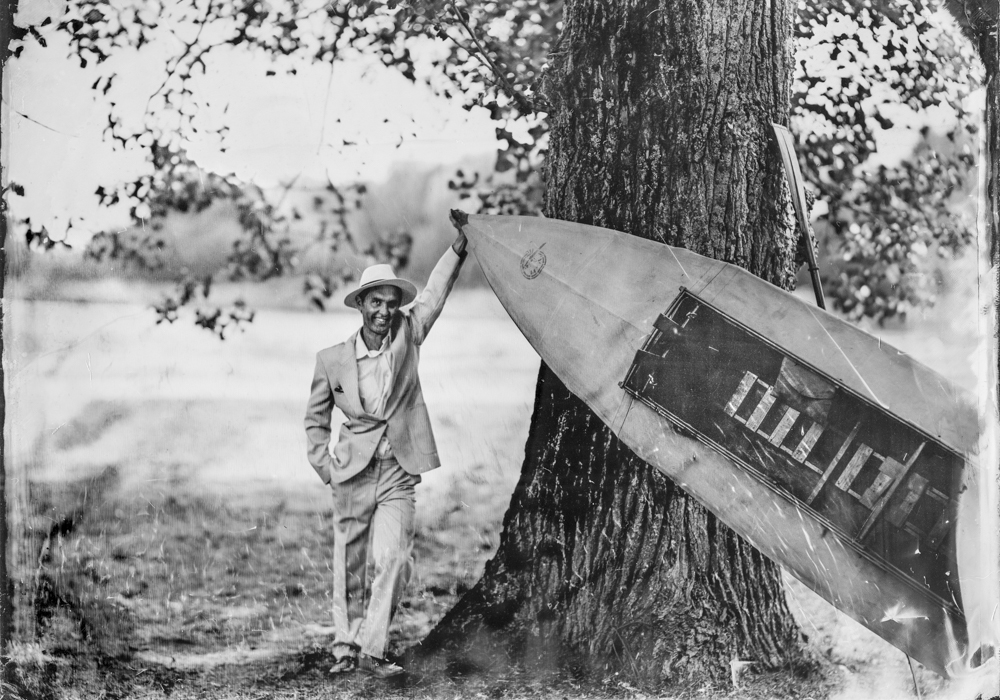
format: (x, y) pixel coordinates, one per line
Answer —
(383, 447)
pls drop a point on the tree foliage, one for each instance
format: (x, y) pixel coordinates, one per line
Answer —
(860, 66)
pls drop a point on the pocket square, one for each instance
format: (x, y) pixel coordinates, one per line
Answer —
(338, 390)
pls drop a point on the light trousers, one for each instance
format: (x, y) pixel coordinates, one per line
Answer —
(373, 520)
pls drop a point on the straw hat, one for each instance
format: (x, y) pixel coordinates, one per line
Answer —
(380, 276)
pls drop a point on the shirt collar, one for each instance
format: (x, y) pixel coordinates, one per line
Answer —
(361, 350)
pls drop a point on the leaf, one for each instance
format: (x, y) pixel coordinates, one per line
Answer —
(884, 122)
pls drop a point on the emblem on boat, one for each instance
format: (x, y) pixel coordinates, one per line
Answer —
(533, 263)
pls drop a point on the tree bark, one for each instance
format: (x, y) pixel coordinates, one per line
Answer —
(660, 127)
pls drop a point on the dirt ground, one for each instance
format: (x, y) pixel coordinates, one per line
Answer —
(175, 540)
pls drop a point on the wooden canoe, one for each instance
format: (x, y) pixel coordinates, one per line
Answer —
(836, 455)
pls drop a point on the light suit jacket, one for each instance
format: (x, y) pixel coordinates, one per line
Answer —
(335, 383)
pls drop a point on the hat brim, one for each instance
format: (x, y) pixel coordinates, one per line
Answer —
(408, 291)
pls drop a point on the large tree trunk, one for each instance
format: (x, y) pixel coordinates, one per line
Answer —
(660, 127)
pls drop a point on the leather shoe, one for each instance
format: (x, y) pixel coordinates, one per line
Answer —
(345, 664)
(380, 668)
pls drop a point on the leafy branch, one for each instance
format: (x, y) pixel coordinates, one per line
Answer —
(483, 55)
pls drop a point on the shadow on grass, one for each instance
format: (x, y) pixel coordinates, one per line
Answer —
(189, 596)
(302, 673)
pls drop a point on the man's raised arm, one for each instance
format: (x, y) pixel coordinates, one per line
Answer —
(424, 310)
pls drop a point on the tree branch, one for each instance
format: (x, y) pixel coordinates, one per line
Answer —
(35, 121)
(485, 59)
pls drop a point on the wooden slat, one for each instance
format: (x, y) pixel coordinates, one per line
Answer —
(877, 510)
(760, 413)
(898, 515)
(849, 474)
(741, 393)
(941, 526)
(833, 463)
(888, 472)
(784, 425)
(808, 442)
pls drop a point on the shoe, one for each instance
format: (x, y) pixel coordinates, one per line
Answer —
(345, 664)
(380, 668)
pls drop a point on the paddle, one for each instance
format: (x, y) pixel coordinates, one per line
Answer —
(794, 175)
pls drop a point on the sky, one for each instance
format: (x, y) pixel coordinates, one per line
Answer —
(282, 127)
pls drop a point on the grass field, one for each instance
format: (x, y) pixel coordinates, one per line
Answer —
(168, 525)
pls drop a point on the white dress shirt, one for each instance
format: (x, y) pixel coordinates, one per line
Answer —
(374, 382)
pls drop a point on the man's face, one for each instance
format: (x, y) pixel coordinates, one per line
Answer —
(377, 308)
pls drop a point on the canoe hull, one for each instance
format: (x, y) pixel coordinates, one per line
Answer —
(589, 300)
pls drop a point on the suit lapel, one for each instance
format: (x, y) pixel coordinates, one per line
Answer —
(349, 376)
(400, 366)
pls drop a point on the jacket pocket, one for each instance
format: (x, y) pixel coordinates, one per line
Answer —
(341, 453)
